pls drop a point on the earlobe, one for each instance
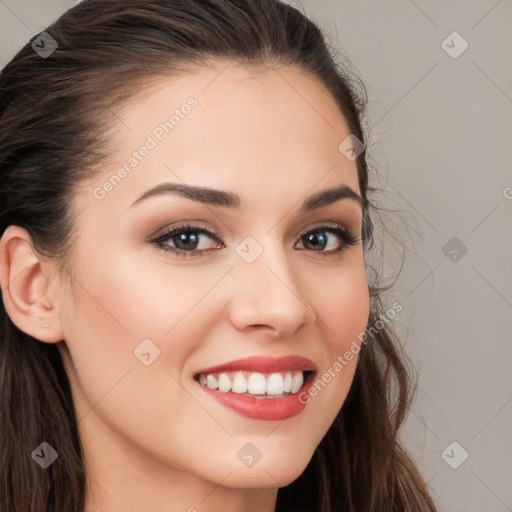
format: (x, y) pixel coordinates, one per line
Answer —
(25, 278)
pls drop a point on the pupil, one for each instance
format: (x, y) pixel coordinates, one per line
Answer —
(317, 239)
(182, 240)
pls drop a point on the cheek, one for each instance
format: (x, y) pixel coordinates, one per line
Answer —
(136, 298)
(116, 309)
(112, 311)
(343, 317)
(343, 308)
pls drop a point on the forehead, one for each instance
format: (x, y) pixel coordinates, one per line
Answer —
(225, 126)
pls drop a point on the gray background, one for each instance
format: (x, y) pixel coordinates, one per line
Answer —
(440, 130)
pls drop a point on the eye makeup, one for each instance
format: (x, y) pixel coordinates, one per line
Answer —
(186, 234)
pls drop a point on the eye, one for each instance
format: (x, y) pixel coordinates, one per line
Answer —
(186, 240)
(317, 240)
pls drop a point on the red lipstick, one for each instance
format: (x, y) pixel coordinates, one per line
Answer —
(264, 364)
(262, 406)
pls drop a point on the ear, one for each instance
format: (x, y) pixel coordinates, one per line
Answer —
(27, 280)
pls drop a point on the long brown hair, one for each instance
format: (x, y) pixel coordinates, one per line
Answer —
(55, 110)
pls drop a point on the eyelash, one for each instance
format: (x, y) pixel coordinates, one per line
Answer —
(347, 237)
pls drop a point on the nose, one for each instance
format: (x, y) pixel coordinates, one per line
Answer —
(267, 296)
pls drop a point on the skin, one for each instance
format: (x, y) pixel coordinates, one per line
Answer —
(153, 440)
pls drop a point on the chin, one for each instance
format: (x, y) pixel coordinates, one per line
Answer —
(272, 472)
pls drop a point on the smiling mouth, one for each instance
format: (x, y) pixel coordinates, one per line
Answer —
(256, 384)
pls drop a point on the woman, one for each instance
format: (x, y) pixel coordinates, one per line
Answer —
(187, 322)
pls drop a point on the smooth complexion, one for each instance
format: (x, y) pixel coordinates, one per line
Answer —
(153, 440)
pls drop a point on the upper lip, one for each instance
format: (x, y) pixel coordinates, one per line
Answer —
(263, 364)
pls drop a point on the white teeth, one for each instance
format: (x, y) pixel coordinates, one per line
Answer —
(275, 384)
(224, 383)
(211, 382)
(297, 381)
(254, 383)
(239, 384)
(257, 384)
(288, 383)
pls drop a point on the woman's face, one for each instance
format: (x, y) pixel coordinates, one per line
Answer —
(141, 322)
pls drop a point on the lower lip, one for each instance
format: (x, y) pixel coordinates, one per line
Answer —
(270, 409)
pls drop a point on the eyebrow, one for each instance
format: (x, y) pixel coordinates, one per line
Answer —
(231, 200)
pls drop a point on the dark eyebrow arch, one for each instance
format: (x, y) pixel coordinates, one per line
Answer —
(231, 200)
